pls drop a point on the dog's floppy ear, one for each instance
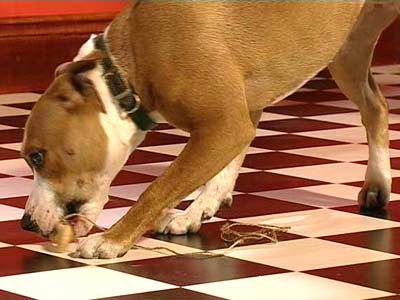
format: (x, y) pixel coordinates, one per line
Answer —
(75, 67)
(85, 64)
(81, 85)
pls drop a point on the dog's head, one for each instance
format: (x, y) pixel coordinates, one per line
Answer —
(75, 141)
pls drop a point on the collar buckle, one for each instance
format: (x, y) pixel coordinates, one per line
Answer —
(137, 103)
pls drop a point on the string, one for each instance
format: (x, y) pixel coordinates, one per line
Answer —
(228, 235)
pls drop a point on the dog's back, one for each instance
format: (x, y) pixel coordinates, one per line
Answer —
(275, 45)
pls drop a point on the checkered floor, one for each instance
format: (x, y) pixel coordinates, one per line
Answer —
(303, 170)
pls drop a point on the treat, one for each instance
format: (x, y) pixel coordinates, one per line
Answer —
(64, 235)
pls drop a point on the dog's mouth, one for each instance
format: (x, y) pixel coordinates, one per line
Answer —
(76, 218)
(79, 216)
(74, 206)
(80, 224)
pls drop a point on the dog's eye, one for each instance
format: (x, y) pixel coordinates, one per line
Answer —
(37, 159)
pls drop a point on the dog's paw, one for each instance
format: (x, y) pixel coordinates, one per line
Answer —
(100, 246)
(189, 221)
(227, 201)
(373, 197)
(179, 223)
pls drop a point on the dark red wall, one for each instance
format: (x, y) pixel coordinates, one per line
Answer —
(35, 37)
(10, 9)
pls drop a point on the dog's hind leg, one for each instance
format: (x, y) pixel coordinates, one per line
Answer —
(351, 71)
(216, 192)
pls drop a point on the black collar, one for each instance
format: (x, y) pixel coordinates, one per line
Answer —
(126, 96)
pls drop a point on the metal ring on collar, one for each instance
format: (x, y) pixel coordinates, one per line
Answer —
(124, 94)
(137, 104)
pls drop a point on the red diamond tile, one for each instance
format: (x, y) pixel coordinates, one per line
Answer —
(145, 157)
(392, 211)
(395, 144)
(394, 126)
(316, 96)
(183, 271)
(299, 125)
(387, 298)
(246, 205)
(358, 183)
(173, 294)
(395, 184)
(395, 163)
(381, 275)
(158, 138)
(385, 240)
(265, 181)
(291, 141)
(14, 261)
(209, 237)
(125, 177)
(4, 295)
(364, 162)
(286, 103)
(164, 126)
(115, 202)
(395, 111)
(26, 105)
(15, 121)
(11, 136)
(12, 233)
(279, 160)
(5, 176)
(307, 110)
(8, 154)
(324, 73)
(321, 84)
(15, 202)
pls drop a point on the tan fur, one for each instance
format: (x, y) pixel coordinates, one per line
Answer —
(351, 70)
(208, 67)
(67, 128)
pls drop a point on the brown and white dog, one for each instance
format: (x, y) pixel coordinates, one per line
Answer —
(207, 67)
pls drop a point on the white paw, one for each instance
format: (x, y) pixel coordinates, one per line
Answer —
(98, 246)
(211, 206)
(179, 223)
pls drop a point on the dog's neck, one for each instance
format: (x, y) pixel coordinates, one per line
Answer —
(118, 39)
(120, 130)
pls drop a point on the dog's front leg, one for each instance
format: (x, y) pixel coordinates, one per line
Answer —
(209, 150)
(216, 192)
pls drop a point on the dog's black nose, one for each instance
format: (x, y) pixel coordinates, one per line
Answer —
(28, 224)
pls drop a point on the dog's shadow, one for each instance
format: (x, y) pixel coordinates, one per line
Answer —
(380, 213)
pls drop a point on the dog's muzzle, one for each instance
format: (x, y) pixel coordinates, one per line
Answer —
(28, 224)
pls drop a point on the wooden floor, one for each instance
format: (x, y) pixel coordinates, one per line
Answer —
(303, 170)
